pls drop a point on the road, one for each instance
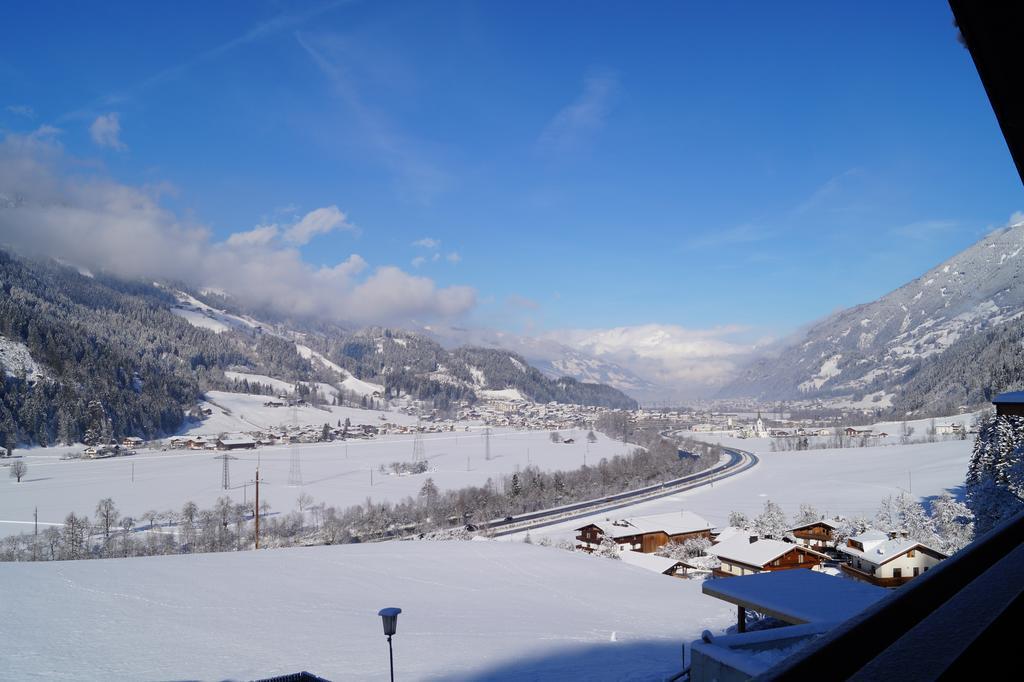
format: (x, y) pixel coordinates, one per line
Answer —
(737, 462)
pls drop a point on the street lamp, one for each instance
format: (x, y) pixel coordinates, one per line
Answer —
(389, 616)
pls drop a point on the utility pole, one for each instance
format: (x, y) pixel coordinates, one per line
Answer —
(133, 472)
(257, 514)
(487, 443)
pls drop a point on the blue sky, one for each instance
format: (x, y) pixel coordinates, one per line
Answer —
(581, 165)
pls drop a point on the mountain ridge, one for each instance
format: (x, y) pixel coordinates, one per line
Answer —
(878, 347)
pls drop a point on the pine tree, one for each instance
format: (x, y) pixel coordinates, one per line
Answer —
(994, 474)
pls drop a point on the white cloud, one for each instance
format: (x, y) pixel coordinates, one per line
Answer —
(95, 222)
(584, 116)
(258, 236)
(454, 257)
(427, 243)
(418, 261)
(317, 222)
(21, 110)
(664, 353)
(106, 131)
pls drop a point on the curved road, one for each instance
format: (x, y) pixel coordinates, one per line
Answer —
(738, 462)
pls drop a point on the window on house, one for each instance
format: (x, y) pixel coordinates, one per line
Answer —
(917, 571)
(911, 553)
(897, 573)
(800, 558)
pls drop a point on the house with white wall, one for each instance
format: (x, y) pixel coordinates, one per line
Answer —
(887, 559)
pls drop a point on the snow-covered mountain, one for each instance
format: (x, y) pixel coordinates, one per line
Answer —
(874, 349)
(554, 359)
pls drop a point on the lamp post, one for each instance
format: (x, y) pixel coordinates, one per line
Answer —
(389, 616)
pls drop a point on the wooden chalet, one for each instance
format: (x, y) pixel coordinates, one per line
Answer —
(818, 535)
(236, 443)
(645, 533)
(887, 559)
(743, 556)
(1010, 404)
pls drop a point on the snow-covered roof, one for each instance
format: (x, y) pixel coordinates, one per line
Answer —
(758, 553)
(878, 553)
(237, 440)
(671, 523)
(723, 534)
(1009, 397)
(820, 522)
(870, 539)
(652, 562)
(797, 596)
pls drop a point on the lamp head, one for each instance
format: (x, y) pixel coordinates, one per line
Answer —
(389, 616)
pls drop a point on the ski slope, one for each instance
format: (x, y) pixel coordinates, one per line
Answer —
(471, 611)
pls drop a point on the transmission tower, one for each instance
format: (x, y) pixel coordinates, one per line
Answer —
(418, 450)
(295, 469)
(225, 477)
(487, 443)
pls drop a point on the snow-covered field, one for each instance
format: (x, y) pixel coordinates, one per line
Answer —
(848, 481)
(471, 611)
(234, 412)
(337, 473)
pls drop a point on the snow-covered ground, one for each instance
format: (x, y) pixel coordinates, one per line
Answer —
(337, 473)
(15, 359)
(242, 412)
(847, 481)
(470, 611)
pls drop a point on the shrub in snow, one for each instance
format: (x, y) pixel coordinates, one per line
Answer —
(608, 549)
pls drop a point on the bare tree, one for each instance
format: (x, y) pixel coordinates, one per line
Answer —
(106, 515)
(305, 501)
(18, 470)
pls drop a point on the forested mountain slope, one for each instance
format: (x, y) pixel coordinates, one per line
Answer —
(85, 357)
